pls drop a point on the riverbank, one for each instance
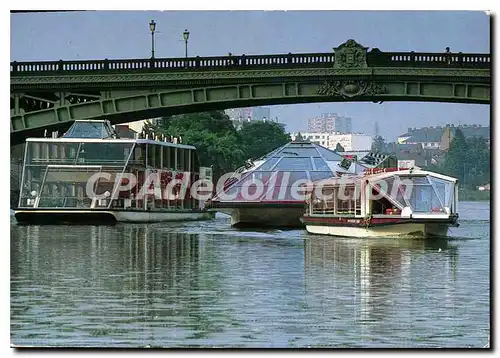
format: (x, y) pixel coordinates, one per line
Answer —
(474, 195)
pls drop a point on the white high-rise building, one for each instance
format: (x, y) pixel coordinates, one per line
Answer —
(240, 115)
(329, 123)
(320, 138)
(348, 141)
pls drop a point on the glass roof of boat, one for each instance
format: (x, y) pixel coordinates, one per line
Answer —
(307, 157)
(302, 160)
(90, 129)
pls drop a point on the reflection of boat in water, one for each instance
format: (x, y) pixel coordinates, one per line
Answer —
(366, 277)
(262, 193)
(90, 175)
(384, 204)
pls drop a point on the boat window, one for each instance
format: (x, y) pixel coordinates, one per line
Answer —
(151, 160)
(96, 130)
(78, 153)
(423, 197)
(297, 152)
(269, 163)
(357, 201)
(166, 157)
(328, 154)
(401, 195)
(345, 200)
(315, 176)
(321, 164)
(328, 199)
(67, 187)
(259, 175)
(138, 156)
(158, 155)
(195, 163)
(383, 206)
(45, 153)
(295, 164)
(180, 159)
(104, 153)
(444, 189)
(186, 160)
(173, 158)
(392, 190)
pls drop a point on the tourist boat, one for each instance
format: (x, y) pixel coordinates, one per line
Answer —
(383, 203)
(91, 175)
(264, 192)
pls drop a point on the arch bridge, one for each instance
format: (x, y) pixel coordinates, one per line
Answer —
(51, 95)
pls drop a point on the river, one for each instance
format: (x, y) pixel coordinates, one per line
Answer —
(205, 284)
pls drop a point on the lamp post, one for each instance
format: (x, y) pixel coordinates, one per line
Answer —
(152, 27)
(185, 34)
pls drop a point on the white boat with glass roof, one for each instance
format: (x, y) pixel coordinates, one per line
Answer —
(384, 203)
(90, 175)
(267, 191)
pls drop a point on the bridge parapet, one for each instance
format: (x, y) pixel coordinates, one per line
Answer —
(373, 58)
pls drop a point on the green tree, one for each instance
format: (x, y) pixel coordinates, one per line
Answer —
(477, 162)
(212, 133)
(339, 148)
(378, 144)
(259, 138)
(467, 159)
(456, 158)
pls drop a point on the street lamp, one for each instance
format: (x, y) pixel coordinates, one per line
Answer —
(185, 34)
(152, 27)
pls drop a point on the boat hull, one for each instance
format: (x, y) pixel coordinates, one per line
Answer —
(52, 216)
(380, 227)
(288, 217)
(417, 230)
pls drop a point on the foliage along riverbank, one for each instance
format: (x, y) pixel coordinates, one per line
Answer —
(469, 160)
(474, 195)
(218, 142)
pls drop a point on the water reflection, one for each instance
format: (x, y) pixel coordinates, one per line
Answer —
(375, 281)
(159, 285)
(132, 276)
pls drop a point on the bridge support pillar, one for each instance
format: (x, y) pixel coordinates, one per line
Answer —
(17, 107)
(62, 98)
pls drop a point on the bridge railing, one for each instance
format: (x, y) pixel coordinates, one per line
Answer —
(174, 64)
(311, 60)
(419, 59)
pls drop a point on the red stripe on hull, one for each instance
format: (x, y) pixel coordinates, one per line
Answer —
(362, 222)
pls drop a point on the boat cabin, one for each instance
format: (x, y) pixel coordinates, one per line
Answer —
(385, 193)
(57, 171)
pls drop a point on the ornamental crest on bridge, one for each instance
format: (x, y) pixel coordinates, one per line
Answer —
(350, 55)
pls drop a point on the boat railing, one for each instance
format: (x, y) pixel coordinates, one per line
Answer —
(80, 161)
(53, 202)
(335, 212)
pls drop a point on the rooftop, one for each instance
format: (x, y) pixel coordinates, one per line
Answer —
(434, 134)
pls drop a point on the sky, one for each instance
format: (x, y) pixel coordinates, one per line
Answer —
(125, 34)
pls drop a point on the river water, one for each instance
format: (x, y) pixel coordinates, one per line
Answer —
(206, 284)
